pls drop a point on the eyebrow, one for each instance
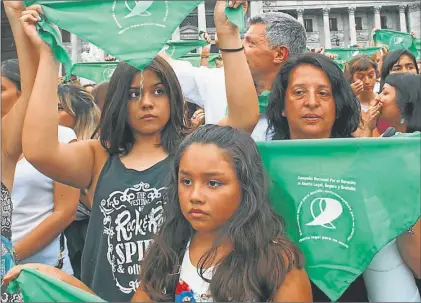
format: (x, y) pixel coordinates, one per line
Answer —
(319, 86)
(208, 174)
(155, 84)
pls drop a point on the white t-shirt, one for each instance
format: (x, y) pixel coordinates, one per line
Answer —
(206, 87)
(191, 285)
(32, 198)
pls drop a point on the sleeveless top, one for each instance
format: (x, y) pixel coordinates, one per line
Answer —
(191, 287)
(126, 213)
(388, 279)
(7, 258)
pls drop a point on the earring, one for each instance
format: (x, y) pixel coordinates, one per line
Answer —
(402, 120)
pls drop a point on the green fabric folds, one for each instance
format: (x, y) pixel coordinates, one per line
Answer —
(343, 200)
(345, 54)
(97, 72)
(39, 287)
(395, 40)
(177, 49)
(131, 31)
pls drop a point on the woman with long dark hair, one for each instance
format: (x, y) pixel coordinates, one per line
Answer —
(142, 125)
(221, 240)
(312, 100)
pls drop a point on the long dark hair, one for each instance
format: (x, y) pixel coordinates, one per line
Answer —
(261, 255)
(347, 109)
(408, 98)
(116, 135)
(390, 59)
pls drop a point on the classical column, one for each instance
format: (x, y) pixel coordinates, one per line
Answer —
(326, 26)
(300, 17)
(256, 8)
(377, 19)
(414, 17)
(201, 15)
(76, 48)
(176, 35)
(352, 29)
(402, 18)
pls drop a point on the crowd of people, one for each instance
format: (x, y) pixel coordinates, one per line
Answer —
(150, 187)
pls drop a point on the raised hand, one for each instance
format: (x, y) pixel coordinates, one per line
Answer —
(29, 19)
(357, 87)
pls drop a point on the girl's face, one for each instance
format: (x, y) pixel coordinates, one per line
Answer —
(149, 104)
(208, 187)
(9, 95)
(404, 65)
(309, 103)
(390, 111)
(64, 118)
(368, 77)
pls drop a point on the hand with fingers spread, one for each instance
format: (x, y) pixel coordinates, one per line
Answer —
(29, 19)
(357, 87)
(372, 116)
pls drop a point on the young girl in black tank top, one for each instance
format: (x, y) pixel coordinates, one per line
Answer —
(141, 126)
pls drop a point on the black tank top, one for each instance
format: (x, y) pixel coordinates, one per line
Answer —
(126, 213)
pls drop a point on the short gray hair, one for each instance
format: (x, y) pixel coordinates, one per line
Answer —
(282, 30)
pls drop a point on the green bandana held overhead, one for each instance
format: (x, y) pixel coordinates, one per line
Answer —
(345, 54)
(95, 71)
(177, 49)
(340, 201)
(124, 26)
(395, 40)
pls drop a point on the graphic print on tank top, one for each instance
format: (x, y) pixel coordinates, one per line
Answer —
(129, 215)
(127, 212)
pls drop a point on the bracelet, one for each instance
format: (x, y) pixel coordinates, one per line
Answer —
(15, 256)
(204, 57)
(232, 50)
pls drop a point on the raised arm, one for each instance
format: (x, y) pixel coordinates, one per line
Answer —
(71, 164)
(243, 107)
(12, 123)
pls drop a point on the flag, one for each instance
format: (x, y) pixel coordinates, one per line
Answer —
(345, 54)
(95, 71)
(131, 31)
(395, 40)
(39, 287)
(343, 200)
(194, 59)
(177, 49)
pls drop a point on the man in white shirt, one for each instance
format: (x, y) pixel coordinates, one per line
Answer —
(268, 43)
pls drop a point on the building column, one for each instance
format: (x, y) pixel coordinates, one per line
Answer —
(414, 18)
(352, 29)
(326, 26)
(76, 48)
(201, 15)
(377, 19)
(300, 15)
(402, 18)
(176, 35)
(256, 8)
